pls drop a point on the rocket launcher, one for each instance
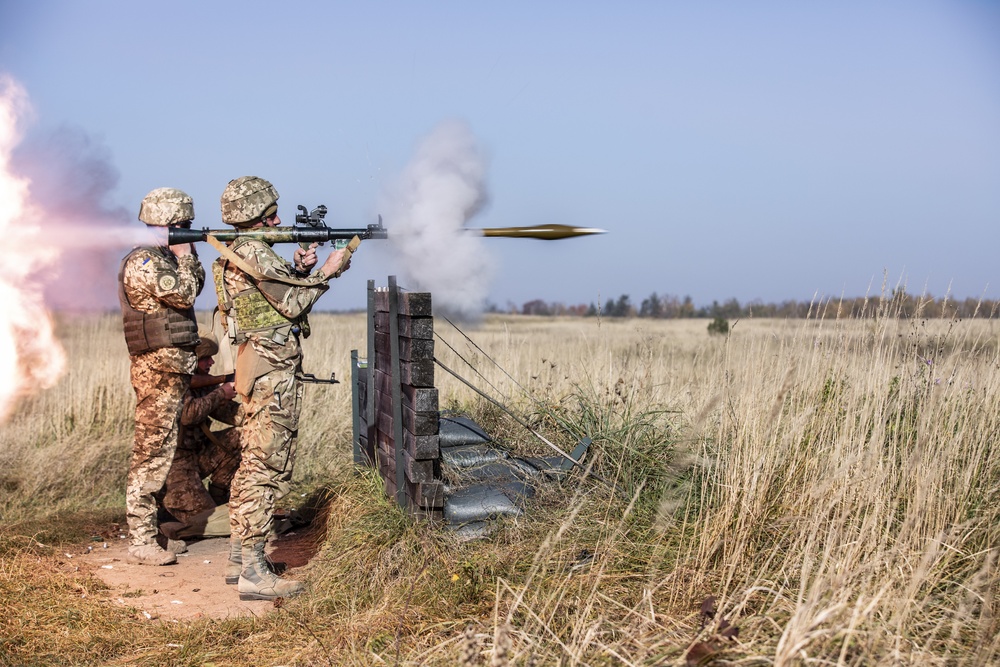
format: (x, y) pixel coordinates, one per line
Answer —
(310, 227)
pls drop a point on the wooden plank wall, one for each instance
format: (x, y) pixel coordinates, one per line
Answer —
(364, 450)
(419, 453)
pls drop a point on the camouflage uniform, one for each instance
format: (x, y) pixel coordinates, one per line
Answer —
(269, 315)
(202, 453)
(153, 280)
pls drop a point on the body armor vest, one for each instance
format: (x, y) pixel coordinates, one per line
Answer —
(164, 327)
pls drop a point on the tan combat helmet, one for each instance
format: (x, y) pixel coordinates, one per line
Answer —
(208, 346)
(246, 199)
(166, 206)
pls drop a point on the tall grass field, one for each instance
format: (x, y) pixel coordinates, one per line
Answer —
(795, 492)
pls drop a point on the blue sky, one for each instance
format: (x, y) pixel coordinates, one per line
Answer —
(766, 150)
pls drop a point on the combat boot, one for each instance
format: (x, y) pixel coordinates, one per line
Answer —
(258, 582)
(234, 566)
(176, 546)
(167, 539)
(150, 554)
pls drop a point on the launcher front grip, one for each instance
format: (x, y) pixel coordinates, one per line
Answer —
(307, 235)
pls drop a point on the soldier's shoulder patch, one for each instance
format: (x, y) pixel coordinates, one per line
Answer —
(139, 256)
(167, 281)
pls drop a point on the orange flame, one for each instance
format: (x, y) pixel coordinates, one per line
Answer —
(31, 357)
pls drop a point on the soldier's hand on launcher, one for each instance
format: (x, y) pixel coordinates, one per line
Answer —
(182, 249)
(338, 262)
(228, 390)
(305, 259)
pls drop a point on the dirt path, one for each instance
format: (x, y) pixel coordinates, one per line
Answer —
(193, 587)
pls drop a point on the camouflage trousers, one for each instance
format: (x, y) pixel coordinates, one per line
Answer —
(200, 457)
(158, 397)
(268, 438)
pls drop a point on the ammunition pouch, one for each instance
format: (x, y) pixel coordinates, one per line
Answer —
(249, 367)
(255, 314)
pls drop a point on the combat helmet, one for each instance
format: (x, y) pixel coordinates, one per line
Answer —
(166, 206)
(208, 346)
(246, 199)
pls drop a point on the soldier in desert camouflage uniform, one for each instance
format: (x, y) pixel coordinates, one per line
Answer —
(265, 302)
(157, 289)
(201, 452)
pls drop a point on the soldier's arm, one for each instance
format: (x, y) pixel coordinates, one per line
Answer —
(229, 412)
(289, 300)
(197, 409)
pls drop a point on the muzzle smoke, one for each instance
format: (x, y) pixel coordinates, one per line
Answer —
(70, 178)
(439, 191)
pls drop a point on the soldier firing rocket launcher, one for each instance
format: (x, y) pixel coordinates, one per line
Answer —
(310, 227)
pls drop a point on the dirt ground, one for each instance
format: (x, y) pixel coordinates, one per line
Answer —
(193, 587)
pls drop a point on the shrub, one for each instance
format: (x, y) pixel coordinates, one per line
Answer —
(719, 325)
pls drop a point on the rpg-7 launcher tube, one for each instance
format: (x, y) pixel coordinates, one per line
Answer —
(306, 235)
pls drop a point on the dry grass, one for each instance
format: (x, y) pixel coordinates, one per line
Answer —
(834, 484)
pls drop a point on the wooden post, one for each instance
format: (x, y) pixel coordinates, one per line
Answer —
(369, 407)
(396, 392)
(355, 409)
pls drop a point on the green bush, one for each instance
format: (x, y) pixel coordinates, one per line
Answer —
(719, 325)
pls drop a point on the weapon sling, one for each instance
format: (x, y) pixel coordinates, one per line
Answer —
(252, 271)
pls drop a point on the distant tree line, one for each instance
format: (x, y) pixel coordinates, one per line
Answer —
(668, 306)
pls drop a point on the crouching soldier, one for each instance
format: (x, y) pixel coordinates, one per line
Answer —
(203, 454)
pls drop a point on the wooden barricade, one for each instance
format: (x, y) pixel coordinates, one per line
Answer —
(395, 401)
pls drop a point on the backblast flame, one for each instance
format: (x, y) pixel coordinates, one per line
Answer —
(31, 357)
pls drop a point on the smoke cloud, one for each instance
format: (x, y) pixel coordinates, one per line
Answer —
(438, 192)
(70, 179)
